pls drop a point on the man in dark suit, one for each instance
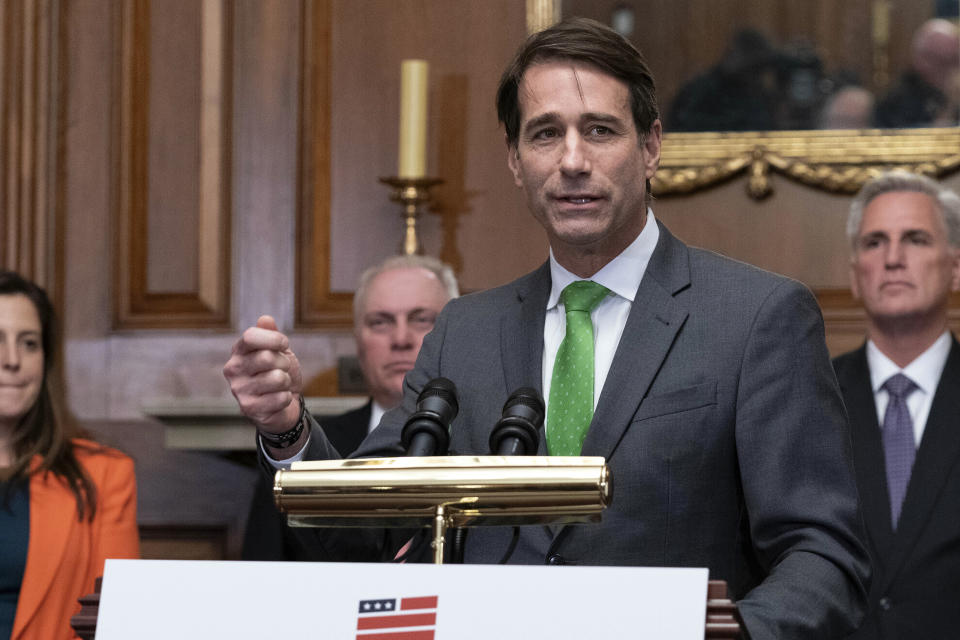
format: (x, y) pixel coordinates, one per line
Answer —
(394, 307)
(704, 382)
(902, 392)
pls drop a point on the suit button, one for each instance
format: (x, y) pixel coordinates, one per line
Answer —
(885, 603)
(556, 559)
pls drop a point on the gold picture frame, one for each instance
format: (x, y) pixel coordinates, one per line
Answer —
(838, 161)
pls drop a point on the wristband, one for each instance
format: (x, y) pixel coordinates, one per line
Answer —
(287, 438)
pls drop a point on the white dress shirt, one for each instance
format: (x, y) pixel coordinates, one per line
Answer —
(925, 371)
(376, 412)
(622, 277)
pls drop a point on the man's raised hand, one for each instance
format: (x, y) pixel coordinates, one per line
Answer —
(264, 376)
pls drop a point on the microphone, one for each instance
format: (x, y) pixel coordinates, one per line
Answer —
(426, 432)
(515, 434)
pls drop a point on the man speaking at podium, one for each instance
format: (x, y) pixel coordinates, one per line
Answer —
(705, 383)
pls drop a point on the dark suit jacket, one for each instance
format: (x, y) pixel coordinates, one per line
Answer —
(916, 586)
(721, 422)
(267, 536)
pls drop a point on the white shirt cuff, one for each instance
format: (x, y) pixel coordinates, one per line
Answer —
(285, 463)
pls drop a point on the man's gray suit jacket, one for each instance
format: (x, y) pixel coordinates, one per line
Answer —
(721, 422)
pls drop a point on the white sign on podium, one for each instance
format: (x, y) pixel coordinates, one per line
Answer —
(161, 599)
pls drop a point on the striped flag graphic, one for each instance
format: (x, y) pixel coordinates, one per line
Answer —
(397, 619)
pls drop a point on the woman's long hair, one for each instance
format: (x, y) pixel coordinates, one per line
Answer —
(44, 431)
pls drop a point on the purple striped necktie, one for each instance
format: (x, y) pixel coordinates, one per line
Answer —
(899, 446)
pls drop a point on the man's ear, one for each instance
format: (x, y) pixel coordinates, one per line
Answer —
(513, 161)
(651, 148)
(852, 271)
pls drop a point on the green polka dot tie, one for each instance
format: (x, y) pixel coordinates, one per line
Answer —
(571, 387)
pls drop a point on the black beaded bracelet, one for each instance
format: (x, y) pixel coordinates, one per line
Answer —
(287, 438)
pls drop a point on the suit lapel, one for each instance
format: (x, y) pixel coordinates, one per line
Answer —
(521, 333)
(654, 321)
(939, 451)
(355, 433)
(521, 349)
(868, 458)
(53, 512)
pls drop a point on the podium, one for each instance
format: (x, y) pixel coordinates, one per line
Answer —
(447, 492)
(721, 617)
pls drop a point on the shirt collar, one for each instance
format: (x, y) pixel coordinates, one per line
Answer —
(622, 275)
(376, 412)
(925, 369)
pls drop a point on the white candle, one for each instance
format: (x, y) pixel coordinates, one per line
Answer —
(412, 159)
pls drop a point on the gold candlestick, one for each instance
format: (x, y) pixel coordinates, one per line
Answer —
(410, 192)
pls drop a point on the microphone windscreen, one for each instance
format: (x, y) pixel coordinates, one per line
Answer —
(440, 396)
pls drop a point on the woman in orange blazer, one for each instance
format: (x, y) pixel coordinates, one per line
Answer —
(66, 503)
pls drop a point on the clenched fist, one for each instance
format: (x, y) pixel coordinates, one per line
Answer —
(264, 376)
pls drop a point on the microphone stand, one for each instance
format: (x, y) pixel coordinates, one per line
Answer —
(439, 533)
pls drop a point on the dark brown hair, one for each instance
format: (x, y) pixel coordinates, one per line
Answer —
(44, 431)
(580, 40)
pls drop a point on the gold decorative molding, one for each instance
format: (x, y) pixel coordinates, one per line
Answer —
(836, 161)
(136, 305)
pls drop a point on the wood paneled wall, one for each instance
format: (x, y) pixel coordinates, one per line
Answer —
(219, 160)
(172, 166)
(317, 305)
(31, 112)
(474, 212)
(205, 162)
(197, 164)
